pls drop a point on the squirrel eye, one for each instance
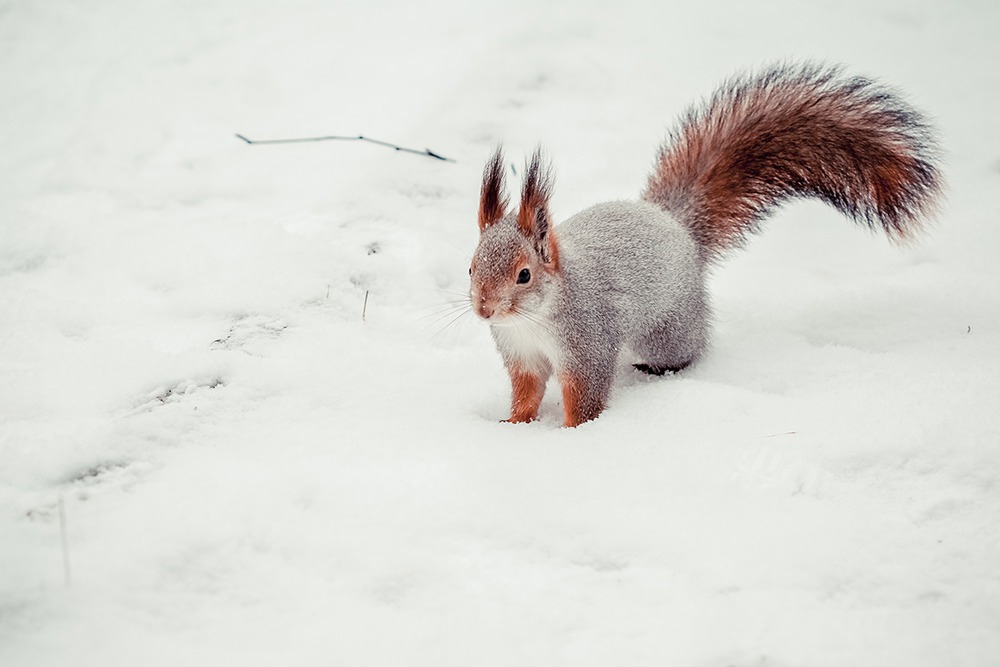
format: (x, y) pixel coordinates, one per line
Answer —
(523, 277)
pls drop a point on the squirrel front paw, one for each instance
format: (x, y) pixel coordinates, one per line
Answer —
(527, 389)
(519, 419)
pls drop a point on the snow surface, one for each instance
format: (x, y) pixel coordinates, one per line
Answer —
(253, 475)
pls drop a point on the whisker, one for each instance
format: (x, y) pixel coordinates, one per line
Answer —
(451, 323)
(441, 303)
(448, 291)
(443, 311)
(443, 316)
(450, 302)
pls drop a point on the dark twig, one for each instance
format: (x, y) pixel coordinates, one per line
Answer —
(428, 152)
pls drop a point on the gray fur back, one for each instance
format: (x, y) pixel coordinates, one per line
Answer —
(628, 268)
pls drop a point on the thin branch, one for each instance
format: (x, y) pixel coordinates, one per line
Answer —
(428, 152)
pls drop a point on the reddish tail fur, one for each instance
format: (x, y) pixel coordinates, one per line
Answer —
(796, 131)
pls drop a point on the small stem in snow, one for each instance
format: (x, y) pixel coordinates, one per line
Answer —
(65, 542)
(364, 309)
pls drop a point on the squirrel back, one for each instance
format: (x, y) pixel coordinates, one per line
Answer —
(795, 131)
(627, 279)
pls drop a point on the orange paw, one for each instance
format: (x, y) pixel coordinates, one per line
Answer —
(527, 389)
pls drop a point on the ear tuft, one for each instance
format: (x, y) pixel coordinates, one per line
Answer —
(533, 216)
(492, 198)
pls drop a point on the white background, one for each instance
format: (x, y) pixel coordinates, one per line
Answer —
(252, 475)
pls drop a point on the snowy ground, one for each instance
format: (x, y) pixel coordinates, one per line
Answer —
(252, 475)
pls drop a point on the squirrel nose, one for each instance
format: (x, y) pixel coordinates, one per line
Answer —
(486, 310)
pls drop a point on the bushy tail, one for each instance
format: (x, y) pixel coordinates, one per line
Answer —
(796, 131)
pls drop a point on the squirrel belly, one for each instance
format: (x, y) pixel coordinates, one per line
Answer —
(626, 280)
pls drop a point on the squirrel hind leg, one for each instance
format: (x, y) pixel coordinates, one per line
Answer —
(671, 347)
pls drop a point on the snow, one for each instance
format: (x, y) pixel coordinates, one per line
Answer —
(251, 474)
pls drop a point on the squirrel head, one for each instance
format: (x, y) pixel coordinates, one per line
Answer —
(517, 255)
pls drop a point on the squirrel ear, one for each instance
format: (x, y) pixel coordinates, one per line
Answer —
(533, 216)
(492, 198)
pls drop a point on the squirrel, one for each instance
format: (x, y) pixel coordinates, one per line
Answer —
(626, 279)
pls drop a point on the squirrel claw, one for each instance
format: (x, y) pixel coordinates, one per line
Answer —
(514, 419)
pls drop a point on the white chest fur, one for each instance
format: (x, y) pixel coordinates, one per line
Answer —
(530, 342)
